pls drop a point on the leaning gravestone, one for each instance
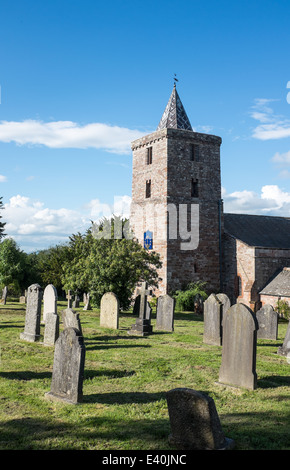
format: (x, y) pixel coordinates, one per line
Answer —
(49, 301)
(194, 421)
(109, 311)
(165, 313)
(71, 319)
(33, 311)
(284, 350)
(51, 330)
(68, 367)
(268, 322)
(238, 366)
(142, 326)
(212, 315)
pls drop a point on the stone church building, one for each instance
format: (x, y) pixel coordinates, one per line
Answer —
(177, 211)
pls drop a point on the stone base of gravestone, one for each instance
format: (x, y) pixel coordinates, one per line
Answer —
(142, 327)
(194, 422)
(68, 368)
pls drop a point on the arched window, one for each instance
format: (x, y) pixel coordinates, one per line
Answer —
(238, 287)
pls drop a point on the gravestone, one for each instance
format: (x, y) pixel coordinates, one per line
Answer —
(71, 319)
(142, 326)
(22, 299)
(226, 303)
(165, 313)
(4, 295)
(51, 330)
(212, 316)
(284, 350)
(33, 311)
(87, 304)
(76, 302)
(69, 299)
(68, 368)
(136, 308)
(49, 300)
(238, 366)
(198, 304)
(194, 421)
(268, 322)
(109, 311)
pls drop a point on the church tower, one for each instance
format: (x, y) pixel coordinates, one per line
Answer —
(176, 207)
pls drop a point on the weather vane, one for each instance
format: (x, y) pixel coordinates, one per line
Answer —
(175, 79)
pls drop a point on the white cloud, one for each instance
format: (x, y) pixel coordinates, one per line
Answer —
(283, 158)
(272, 126)
(3, 178)
(271, 201)
(68, 134)
(36, 227)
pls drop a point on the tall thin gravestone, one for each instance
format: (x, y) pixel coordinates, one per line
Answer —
(142, 326)
(268, 322)
(69, 299)
(165, 313)
(238, 366)
(49, 300)
(68, 368)
(4, 295)
(212, 315)
(109, 311)
(33, 311)
(51, 330)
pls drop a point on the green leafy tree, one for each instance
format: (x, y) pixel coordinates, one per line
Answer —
(185, 299)
(48, 265)
(99, 263)
(2, 224)
(12, 264)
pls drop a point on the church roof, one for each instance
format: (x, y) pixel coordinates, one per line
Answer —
(174, 115)
(259, 230)
(279, 285)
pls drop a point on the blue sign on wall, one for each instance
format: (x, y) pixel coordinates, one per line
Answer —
(148, 240)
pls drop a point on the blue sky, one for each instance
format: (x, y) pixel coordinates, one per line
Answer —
(81, 79)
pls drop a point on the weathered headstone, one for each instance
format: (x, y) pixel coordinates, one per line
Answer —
(268, 322)
(212, 315)
(51, 330)
(136, 308)
(284, 350)
(194, 421)
(33, 312)
(76, 302)
(109, 311)
(68, 367)
(165, 313)
(198, 304)
(69, 299)
(142, 326)
(22, 299)
(71, 319)
(226, 303)
(49, 301)
(238, 366)
(88, 303)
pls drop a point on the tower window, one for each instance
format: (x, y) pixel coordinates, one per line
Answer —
(194, 188)
(194, 155)
(149, 156)
(148, 188)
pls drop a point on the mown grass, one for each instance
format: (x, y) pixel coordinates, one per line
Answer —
(125, 384)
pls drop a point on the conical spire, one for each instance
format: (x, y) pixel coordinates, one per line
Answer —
(174, 115)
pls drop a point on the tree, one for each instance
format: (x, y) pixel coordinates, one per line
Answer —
(2, 224)
(48, 265)
(98, 265)
(12, 264)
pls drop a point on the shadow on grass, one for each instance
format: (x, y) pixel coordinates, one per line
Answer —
(90, 433)
(122, 398)
(112, 373)
(25, 375)
(273, 381)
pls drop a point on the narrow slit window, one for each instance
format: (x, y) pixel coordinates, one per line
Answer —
(194, 188)
(194, 155)
(149, 156)
(148, 188)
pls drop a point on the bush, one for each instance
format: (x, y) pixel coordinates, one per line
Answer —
(283, 309)
(185, 299)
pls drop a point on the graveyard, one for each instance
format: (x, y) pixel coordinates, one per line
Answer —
(125, 384)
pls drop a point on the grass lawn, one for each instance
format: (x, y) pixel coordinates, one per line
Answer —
(126, 379)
